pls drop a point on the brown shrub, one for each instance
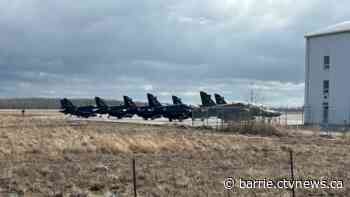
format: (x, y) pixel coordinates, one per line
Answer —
(253, 128)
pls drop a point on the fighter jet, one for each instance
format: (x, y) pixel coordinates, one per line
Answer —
(67, 107)
(254, 109)
(178, 110)
(128, 109)
(220, 109)
(220, 100)
(155, 109)
(151, 111)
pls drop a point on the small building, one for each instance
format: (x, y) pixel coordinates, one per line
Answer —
(327, 76)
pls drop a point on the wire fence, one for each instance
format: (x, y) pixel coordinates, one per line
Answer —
(206, 174)
(221, 118)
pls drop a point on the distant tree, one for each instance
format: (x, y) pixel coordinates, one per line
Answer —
(45, 103)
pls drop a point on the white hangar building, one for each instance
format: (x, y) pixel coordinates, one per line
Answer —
(327, 80)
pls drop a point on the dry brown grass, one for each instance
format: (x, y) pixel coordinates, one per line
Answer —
(256, 128)
(45, 154)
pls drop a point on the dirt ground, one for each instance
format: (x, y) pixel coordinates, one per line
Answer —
(46, 154)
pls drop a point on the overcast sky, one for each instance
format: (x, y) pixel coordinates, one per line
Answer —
(111, 48)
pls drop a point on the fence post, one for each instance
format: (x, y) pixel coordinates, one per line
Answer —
(302, 116)
(279, 120)
(208, 117)
(292, 170)
(192, 120)
(216, 119)
(285, 117)
(134, 176)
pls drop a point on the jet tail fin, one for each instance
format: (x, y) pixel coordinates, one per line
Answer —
(66, 104)
(219, 99)
(63, 104)
(153, 101)
(100, 103)
(206, 99)
(128, 102)
(176, 100)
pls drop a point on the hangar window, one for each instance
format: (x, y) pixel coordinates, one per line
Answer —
(325, 88)
(325, 112)
(326, 62)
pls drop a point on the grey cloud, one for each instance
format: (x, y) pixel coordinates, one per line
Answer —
(111, 48)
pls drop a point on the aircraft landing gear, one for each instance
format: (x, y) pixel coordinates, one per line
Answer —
(170, 119)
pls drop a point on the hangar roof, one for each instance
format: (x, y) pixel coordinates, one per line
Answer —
(333, 29)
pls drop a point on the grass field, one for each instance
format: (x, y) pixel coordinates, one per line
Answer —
(44, 154)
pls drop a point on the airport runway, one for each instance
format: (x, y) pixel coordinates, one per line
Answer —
(136, 120)
(212, 122)
(290, 119)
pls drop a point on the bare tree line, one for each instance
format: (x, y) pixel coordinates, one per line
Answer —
(44, 103)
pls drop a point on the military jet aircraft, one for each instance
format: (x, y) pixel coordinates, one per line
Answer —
(155, 109)
(254, 110)
(67, 107)
(128, 109)
(178, 110)
(220, 100)
(220, 109)
(151, 111)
